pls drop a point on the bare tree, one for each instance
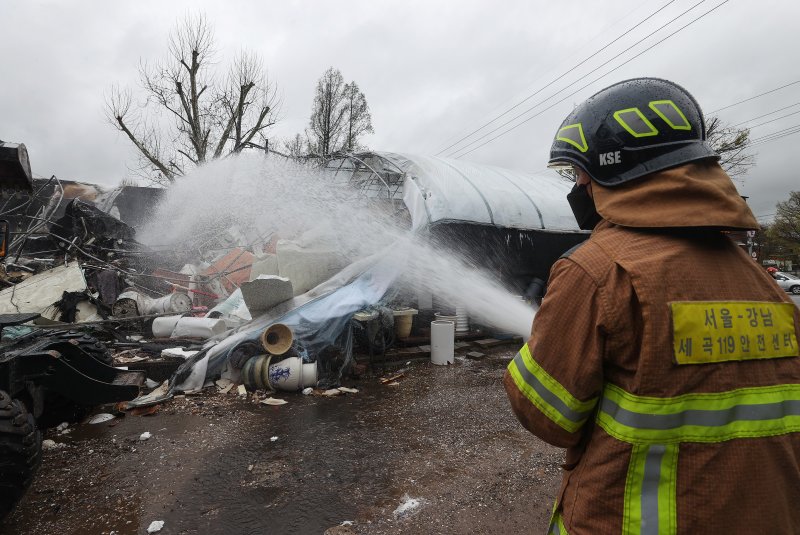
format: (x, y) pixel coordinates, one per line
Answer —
(207, 115)
(296, 147)
(359, 120)
(339, 117)
(732, 145)
(328, 115)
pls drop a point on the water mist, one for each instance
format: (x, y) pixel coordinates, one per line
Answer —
(262, 197)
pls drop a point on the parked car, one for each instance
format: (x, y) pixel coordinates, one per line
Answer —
(788, 282)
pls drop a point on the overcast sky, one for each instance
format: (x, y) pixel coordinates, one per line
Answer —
(431, 71)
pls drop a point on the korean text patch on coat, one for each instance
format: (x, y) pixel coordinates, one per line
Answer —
(719, 331)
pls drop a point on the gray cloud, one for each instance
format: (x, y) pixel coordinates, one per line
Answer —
(431, 71)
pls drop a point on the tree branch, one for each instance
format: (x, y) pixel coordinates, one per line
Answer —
(161, 167)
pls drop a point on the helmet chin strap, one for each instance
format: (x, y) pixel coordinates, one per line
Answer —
(583, 207)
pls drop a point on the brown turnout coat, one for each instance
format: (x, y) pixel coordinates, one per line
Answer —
(726, 459)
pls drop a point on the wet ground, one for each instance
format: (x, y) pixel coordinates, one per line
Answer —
(443, 442)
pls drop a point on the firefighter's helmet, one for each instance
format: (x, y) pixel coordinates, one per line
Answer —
(631, 129)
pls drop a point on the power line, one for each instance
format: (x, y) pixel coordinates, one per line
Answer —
(774, 133)
(753, 97)
(545, 72)
(584, 86)
(620, 36)
(773, 120)
(770, 113)
(774, 136)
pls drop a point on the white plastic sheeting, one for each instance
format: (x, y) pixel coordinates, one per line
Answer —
(442, 189)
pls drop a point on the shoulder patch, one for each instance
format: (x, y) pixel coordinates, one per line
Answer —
(571, 250)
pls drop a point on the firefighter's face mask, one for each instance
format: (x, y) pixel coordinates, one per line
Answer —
(583, 207)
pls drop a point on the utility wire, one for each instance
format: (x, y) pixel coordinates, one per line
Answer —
(586, 85)
(774, 136)
(774, 133)
(545, 73)
(766, 114)
(521, 102)
(773, 120)
(455, 153)
(753, 97)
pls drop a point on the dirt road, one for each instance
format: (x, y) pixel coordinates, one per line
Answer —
(439, 453)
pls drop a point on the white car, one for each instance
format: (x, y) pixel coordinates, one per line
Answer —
(788, 282)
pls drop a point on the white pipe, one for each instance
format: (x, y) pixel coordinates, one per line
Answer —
(442, 342)
(198, 327)
(164, 325)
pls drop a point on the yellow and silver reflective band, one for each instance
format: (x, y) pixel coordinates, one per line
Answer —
(671, 114)
(713, 417)
(573, 135)
(547, 394)
(634, 121)
(557, 525)
(650, 491)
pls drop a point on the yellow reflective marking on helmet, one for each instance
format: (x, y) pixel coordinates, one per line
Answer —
(664, 107)
(567, 135)
(637, 115)
(719, 331)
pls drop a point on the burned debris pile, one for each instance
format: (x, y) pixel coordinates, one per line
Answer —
(254, 311)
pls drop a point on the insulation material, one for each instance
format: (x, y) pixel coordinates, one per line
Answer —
(40, 291)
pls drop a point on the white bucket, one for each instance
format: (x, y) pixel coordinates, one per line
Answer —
(292, 374)
(442, 342)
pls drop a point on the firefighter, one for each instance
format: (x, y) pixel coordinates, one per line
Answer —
(675, 391)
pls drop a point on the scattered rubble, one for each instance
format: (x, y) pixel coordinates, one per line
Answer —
(155, 526)
(408, 506)
(225, 318)
(276, 315)
(49, 444)
(273, 401)
(101, 418)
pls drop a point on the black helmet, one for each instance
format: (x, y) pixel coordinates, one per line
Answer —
(631, 129)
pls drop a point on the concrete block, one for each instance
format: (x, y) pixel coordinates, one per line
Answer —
(307, 267)
(264, 265)
(265, 292)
